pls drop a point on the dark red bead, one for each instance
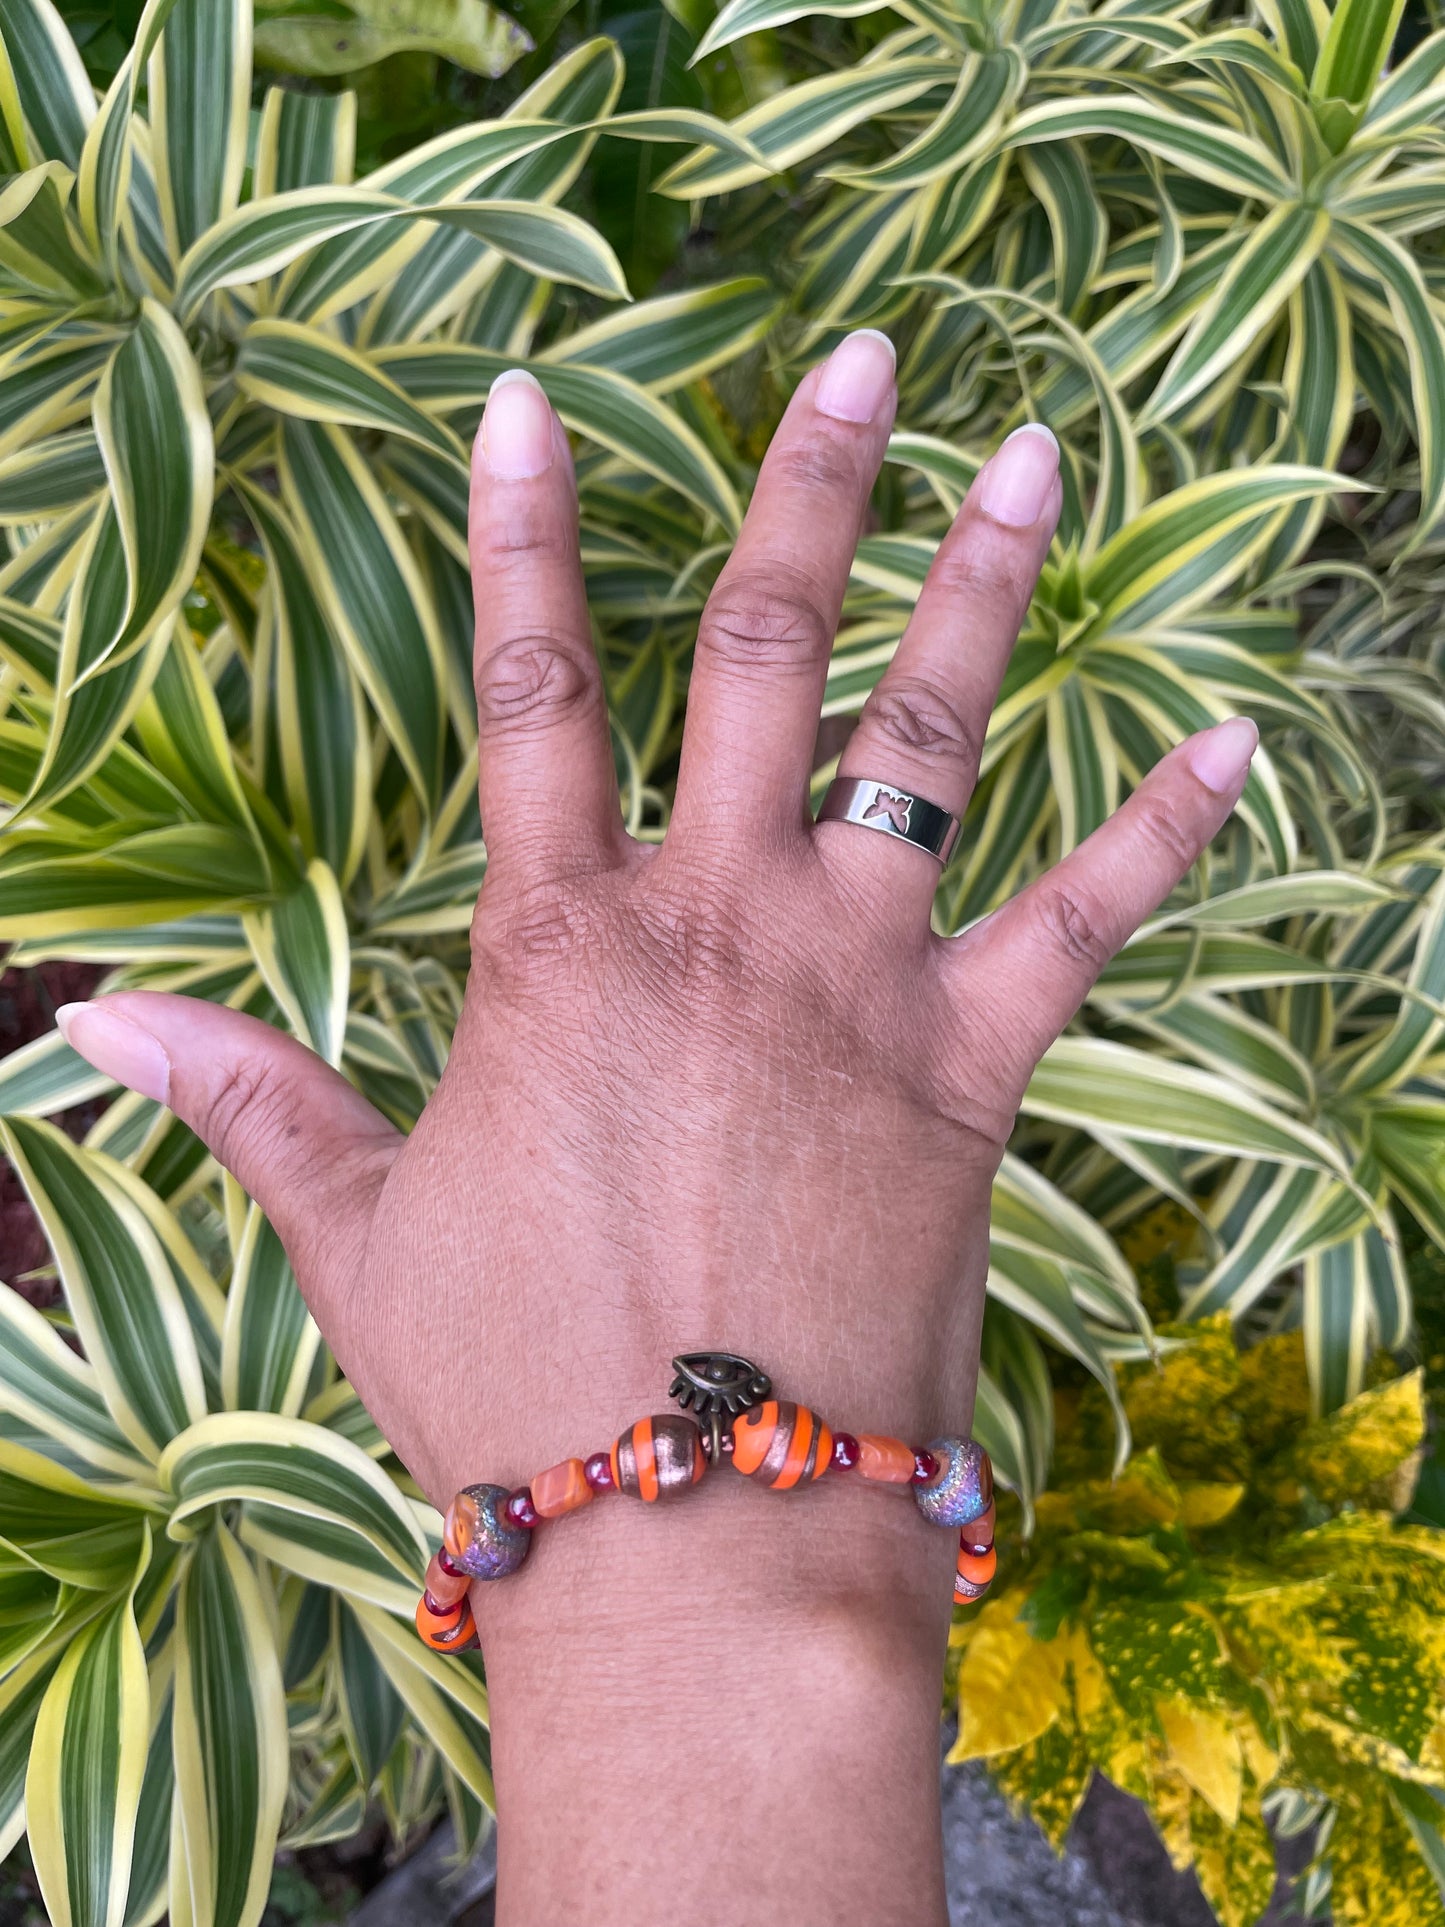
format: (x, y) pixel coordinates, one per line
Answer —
(520, 1510)
(846, 1451)
(433, 1607)
(925, 1467)
(598, 1472)
(449, 1565)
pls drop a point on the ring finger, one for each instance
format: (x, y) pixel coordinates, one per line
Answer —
(922, 729)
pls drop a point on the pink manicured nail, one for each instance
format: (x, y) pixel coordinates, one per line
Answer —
(1220, 757)
(117, 1047)
(856, 377)
(517, 427)
(1014, 484)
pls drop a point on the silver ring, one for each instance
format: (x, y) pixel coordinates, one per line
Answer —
(885, 807)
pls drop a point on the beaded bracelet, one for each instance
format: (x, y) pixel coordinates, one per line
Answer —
(487, 1533)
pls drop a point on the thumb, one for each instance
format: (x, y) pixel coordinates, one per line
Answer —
(300, 1140)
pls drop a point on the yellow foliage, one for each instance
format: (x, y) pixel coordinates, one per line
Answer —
(1259, 1756)
(1379, 1878)
(1203, 1747)
(1203, 1504)
(1011, 1685)
(1185, 1405)
(1273, 1395)
(1365, 1444)
(1234, 1863)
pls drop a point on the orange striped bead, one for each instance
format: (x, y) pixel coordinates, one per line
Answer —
(561, 1488)
(885, 1461)
(781, 1444)
(446, 1588)
(978, 1568)
(451, 1631)
(657, 1457)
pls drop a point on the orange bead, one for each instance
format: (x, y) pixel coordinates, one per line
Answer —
(978, 1568)
(460, 1525)
(657, 1457)
(446, 1588)
(978, 1533)
(561, 1488)
(782, 1444)
(452, 1631)
(885, 1461)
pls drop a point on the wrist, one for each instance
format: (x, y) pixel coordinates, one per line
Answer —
(667, 1681)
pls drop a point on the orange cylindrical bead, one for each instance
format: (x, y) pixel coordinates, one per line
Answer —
(781, 1444)
(657, 1457)
(446, 1588)
(561, 1488)
(885, 1461)
(450, 1631)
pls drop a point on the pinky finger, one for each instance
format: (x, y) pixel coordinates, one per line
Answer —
(1033, 962)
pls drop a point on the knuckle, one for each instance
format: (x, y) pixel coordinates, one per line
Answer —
(756, 622)
(1071, 927)
(818, 464)
(516, 535)
(248, 1116)
(914, 715)
(988, 577)
(1165, 828)
(534, 678)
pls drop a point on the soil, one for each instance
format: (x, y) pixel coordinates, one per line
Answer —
(28, 1001)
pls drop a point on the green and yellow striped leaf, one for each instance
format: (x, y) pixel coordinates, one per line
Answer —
(231, 1752)
(87, 1766)
(302, 949)
(118, 1284)
(270, 1341)
(200, 114)
(154, 432)
(367, 580)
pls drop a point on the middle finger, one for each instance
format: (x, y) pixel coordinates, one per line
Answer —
(765, 636)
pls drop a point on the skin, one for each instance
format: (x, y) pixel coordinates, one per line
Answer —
(729, 1091)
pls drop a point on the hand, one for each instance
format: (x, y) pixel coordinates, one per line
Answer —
(729, 1091)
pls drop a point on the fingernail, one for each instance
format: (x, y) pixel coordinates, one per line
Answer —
(1014, 484)
(856, 377)
(117, 1047)
(517, 427)
(1220, 757)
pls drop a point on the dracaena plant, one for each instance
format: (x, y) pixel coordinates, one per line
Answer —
(206, 1562)
(1256, 187)
(1236, 1629)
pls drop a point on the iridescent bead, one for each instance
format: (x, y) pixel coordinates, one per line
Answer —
(479, 1536)
(961, 1488)
(658, 1457)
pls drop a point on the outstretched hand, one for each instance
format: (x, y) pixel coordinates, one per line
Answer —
(726, 1091)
